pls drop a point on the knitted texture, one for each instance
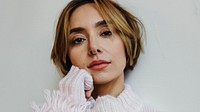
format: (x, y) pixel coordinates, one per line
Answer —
(71, 94)
(127, 101)
(71, 97)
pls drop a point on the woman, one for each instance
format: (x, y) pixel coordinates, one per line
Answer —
(96, 42)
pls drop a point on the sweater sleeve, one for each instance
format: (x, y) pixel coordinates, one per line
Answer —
(59, 102)
(127, 101)
(71, 94)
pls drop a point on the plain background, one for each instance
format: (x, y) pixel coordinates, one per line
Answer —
(167, 75)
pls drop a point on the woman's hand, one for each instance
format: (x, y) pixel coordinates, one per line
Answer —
(77, 84)
(74, 89)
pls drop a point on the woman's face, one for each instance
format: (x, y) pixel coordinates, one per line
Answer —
(94, 46)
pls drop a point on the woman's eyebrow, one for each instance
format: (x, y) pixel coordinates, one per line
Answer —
(76, 30)
(101, 23)
(80, 29)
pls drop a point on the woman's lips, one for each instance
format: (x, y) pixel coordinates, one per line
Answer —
(98, 64)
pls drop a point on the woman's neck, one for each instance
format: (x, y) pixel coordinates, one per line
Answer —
(113, 88)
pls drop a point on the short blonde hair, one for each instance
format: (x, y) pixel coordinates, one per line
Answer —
(129, 28)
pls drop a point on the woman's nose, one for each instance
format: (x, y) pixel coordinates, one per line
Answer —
(94, 52)
(94, 48)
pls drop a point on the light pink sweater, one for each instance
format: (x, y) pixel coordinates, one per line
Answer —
(70, 97)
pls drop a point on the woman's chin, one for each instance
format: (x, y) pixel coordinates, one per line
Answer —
(100, 81)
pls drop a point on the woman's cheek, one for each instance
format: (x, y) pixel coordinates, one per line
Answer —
(78, 58)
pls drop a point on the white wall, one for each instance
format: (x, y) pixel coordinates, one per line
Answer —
(167, 74)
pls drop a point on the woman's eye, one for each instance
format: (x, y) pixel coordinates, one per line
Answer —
(78, 40)
(106, 33)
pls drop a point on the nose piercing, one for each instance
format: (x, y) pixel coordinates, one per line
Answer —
(93, 52)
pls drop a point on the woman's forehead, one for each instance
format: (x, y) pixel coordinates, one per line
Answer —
(85, 15)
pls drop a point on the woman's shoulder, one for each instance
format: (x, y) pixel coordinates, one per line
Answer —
(127, 101)
(132, 101)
